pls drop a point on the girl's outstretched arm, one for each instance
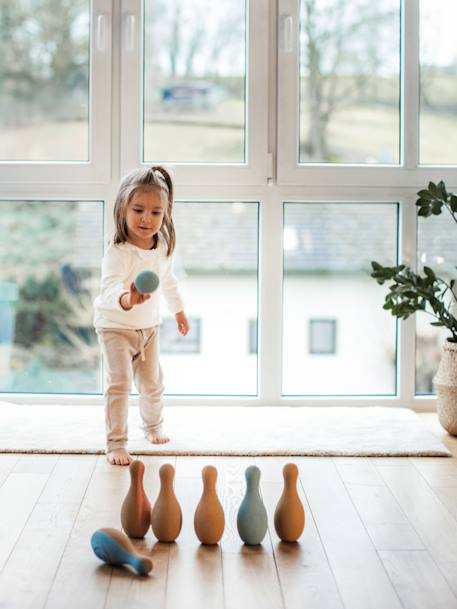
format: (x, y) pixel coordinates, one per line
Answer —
(129, 299)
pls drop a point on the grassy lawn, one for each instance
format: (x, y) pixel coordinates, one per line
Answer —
(357, 134)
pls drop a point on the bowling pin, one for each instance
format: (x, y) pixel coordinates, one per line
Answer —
(166, 517)
(289, 514)
(115, 548)
(252, 518)
(209, 520)
(136, 508)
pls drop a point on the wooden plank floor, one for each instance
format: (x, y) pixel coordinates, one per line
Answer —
(380, 533)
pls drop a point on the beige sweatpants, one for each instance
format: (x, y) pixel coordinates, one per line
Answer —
(131, 355)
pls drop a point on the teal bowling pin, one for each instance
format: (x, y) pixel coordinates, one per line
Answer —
(252, 520)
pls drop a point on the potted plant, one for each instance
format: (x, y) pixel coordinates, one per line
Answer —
(410, 292)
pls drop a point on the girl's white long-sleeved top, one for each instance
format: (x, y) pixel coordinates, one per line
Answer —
(121, 265)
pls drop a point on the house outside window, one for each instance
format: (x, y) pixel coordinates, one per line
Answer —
(172, 342)
(322, 336)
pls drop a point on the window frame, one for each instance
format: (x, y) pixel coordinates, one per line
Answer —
(258, 160)
(408, 173)
(97, 168)
(273, 180)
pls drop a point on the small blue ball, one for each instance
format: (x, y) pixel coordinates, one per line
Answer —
(147, 282)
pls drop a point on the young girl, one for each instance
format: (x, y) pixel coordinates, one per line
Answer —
(126, 321)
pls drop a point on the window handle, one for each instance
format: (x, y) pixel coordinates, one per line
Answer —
(286, 33)
(101, 32)
(130, 23)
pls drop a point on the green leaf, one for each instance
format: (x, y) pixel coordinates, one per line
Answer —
(426, 195)
(442, 190)
(425, 212)
(437, 323)
(453, 203)
(432, 188)
(436, 207)
(429, 272)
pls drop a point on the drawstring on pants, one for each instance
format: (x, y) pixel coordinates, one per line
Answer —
(141, 336)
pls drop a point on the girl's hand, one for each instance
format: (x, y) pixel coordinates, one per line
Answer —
(183, 323)
(132, 298)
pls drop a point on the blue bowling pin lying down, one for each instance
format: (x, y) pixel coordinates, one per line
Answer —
(115, 548)
(252, 519)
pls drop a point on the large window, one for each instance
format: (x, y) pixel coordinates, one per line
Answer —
(327, 253)
(436, 248)
(438, 82)
(217, 267)
(44, 74)
(349, 81)
(194, 81)
(297, 132)
(49, 275)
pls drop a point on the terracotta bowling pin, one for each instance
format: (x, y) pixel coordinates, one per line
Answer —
(166, 517)
(252, 518)
(136, 508)
(209, 520)
(115, 548)
(289, 514)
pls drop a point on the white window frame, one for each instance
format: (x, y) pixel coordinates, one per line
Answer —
(258, 161)
(408, 174)
(97, 168)
(343, 182)
(273, 127)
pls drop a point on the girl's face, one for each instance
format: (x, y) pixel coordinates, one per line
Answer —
(144, 217)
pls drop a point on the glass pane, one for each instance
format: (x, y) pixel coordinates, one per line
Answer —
(44, 80)
(436, 248)
(194, 81)
(328, 248)
(50, 254)
(322, 336)
(217, 268)
(438, 82)
(349, 81)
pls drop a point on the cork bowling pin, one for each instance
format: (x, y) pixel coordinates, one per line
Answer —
(115, 548)
(136, 508)
(252, 518)
(166, 517)
(289, 514)
(209, 519)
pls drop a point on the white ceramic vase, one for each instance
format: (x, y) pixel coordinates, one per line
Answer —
(445, 382)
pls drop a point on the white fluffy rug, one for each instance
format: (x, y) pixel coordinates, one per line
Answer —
(223, 430)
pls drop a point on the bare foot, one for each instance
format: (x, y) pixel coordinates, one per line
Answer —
(119, 456)
(157, 437)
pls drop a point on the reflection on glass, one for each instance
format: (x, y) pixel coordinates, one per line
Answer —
(436, 248)
(50, 254)
(194, 81)
(44, 80)
(438, 82)
(217, 269)
(337, 338)
(349, 81)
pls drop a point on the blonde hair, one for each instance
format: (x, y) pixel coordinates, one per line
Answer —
(145, 180)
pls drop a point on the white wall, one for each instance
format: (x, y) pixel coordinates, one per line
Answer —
(364, 362)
